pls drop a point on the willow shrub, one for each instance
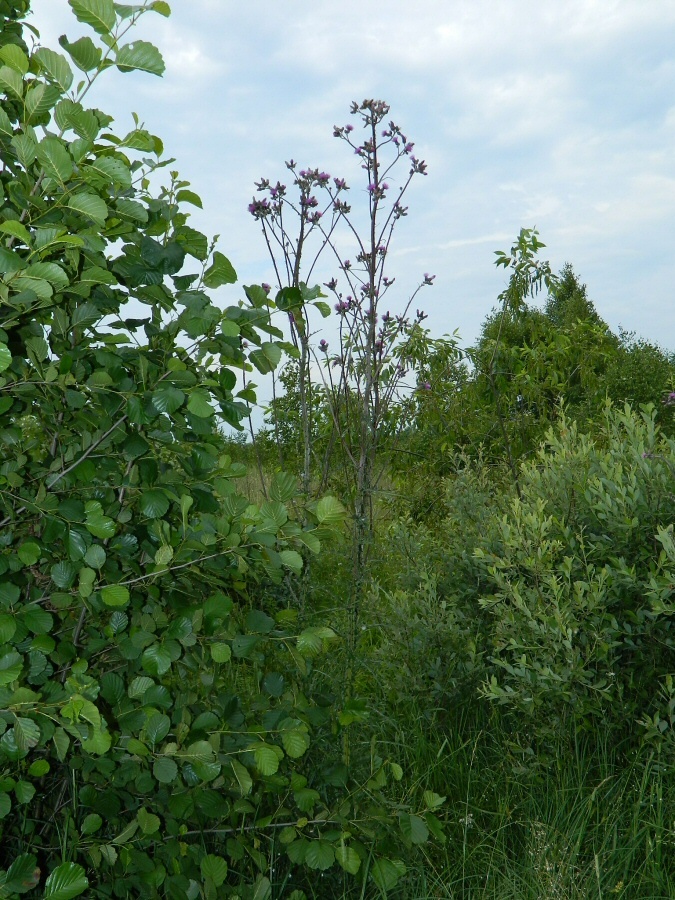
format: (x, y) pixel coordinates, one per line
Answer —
(579, 587)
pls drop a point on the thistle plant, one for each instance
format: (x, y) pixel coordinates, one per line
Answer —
(364, 379)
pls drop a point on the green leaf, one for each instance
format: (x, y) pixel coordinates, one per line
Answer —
(295, 742)
(11, 83)
(156, 660)
(55, 159)
(161, 7)
(25, 147)
(5, 358)
(63, 574)
(115, 595)
(95, 556)
(99, 14)
(5, 805)
(220, 272)
(90, 205)
(320, 855)
(24, 791)
(242, 776)
(131, 209)
(157, 727)
(221, 653)
(7, 628)
(413, 828)
(83, 52)
(348, 858)
(167, 399)
(91, 824)
(23, 875)
(66, 881)
(165, 770)
(284, 487)
(56, 66)
(185, 196)
(266, 759)
(386, 873)
(26, 734)
(29, 553)
(140, 56)
(14, 56)
(215, 868)
(199, 405)
(329, 511)
(433, 800)
(154, 504)
(15, 229)
(148, 821)
(292, 560)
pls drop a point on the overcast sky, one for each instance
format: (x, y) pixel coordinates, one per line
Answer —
(559, 115)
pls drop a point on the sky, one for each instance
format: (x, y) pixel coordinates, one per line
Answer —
(547, 114)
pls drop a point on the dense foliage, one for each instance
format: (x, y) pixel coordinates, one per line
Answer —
(428, 654)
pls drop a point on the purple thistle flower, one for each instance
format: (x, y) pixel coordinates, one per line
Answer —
(428, 279)
(323, 346)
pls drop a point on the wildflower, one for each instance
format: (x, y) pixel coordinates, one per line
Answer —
(426, 386)
(266, 287)
(340, 184)
(331, 285)
(323, 346)
(259, 208)
(670, 399)
(428, 279)
(349, 128)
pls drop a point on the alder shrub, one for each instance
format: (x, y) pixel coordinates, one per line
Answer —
(154, 720)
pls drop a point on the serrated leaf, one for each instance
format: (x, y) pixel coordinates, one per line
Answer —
(167, 399)
(295, 742)
(95, 556)
(284, 487)
(386, 873)
(7, 628)
(90, 205)
(140, 56)
(433, 800)
(66, 881)
(413, 828)
(186, 196)
(221, 653)
(63, 574)
(319, 855)
(56, 66)
(61, 743)
(148, 821)
(99, 14)
(215, 868)
(165, 770)
(5, 358)
(348, 858)
(132, 210)
(91, 824)
(54, 159)
(199, 405)
(220, 272)
(83, 52)
(115, 595)
(242, 776)
(156, 660)
(154, 504)
(157, 727)
(15, 229)
(29, 553)
(23, 875)
(5, 805)
(329, 511)
(266, 760)
(26, 733)
(292, 560)
(11, 82)
(13, 56)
